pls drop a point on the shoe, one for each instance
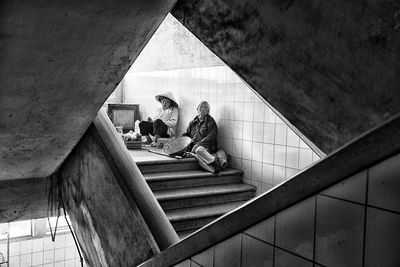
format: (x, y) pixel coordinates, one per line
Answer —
(217, 165)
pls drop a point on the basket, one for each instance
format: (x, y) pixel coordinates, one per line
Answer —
(177, 146)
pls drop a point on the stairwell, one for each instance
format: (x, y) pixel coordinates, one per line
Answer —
(192, 197)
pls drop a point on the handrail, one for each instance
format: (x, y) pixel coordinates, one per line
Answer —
(370, 148)
(139, 191)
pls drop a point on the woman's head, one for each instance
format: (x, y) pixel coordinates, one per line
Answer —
(165, 102)
(203, 108)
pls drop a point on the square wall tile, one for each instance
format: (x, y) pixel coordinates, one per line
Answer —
(248, 94)
(279, 174)
(258, 131)
(384, 184)
(269, 133)
(305, 157)
(256, 169)
(37, 245)
(26, 260)
(228, 252)
(269, 115)
(352, 188)
(268, 153)
(292, 157)
(295, 228)
(26, 246)
(257, 153)
(267, 174)
(259, 112)
(15, 248)
(248, 111)
(247, 148)
(339, 232)
(263, 230)
(237, 147)
(266, 187)
(289, 172)
(37, 258)
(285, 259)
(280, 134)
(247, 130)
(238, 111)
(382, 245)
(256, 253)
(205, 258)
(292, 138)
(279, 155)
(237, 129)
(15, 261)
(229, 109)
(239, 92)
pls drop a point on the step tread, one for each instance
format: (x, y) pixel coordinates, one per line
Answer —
(200, 191)
(177, 175)
(164, 161)
(202, 212)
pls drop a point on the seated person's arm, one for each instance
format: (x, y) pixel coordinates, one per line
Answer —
(173, 119)
(211, 135)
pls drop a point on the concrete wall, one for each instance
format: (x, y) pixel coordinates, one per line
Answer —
(353, 223)
(110, 230)
(60, 60)
(260, 143)
(330, 67)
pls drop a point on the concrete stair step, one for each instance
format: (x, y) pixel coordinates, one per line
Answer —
(168, 165)
(187, 219)
(191, 178)
(203, 195)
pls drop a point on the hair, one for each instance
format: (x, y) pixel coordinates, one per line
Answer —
(204, 102)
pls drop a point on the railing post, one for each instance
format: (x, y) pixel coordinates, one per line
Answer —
(154, 216)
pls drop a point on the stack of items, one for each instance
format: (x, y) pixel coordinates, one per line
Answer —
(132, 140)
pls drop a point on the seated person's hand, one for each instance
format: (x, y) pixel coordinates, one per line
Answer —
(149, 119)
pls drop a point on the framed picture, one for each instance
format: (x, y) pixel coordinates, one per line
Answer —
(123, 115)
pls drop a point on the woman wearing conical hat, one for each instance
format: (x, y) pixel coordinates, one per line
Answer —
(164, 120)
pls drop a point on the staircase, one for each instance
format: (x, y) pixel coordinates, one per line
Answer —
(192, 197)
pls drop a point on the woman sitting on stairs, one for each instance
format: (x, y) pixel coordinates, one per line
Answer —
(164, 120)
(203, 130)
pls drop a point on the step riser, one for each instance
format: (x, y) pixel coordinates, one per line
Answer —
(206, 200)
(192, 224)
(192, 182)
(183, 166)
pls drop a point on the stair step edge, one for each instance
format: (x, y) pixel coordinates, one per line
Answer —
(177, 175)
(202, 191)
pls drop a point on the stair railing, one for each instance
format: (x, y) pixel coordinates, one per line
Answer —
(376, 145)
(155, 218)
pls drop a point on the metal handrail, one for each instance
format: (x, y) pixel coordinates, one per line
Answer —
(376, 145)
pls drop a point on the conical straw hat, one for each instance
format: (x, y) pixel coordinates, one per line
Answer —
(168, 95)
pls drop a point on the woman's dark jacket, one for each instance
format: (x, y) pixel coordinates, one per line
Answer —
(203, 133)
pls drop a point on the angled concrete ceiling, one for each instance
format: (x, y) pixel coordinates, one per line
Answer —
(60, 60)
(332, 68)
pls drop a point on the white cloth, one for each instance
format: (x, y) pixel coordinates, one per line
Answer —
(204, 155)
(169, 117)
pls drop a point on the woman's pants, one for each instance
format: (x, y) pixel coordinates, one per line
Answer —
(158, 127)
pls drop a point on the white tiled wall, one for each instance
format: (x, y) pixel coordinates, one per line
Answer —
(44, 252)
(259, 142)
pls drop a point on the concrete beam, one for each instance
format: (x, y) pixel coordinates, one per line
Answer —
(330, 67)
(60, 60)
(23, 199)
(109, 227)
